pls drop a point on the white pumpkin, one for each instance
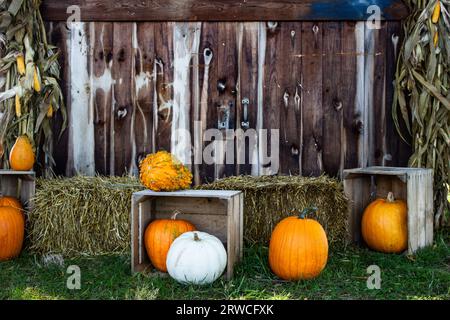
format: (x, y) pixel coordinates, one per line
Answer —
(196, 258)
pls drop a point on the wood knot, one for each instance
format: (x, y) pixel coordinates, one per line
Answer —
(295, 151)
(337, 105)
(122, 113)
(358, 126)
(121, 57)
(221, 85)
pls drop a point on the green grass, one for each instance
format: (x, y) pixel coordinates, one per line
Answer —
(423, 276)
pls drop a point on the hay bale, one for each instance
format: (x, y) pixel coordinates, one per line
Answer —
(268, 199)
(81, 215)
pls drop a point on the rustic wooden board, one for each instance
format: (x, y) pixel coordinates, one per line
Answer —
(247, 92)
(122, 107)
(163, 90)
(398, 150)
(226, 103)
(272, 97)
(312, 98)
(143, 65)
(379, 153)
(209, 94)
(222, 10)
(331, 99)
(102, 59)
(58, 35)
(326, 93)
(290, 99)
(350, 132)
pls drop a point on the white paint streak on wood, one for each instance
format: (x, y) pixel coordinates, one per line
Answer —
(369, 108)
(360, 99)
(196, 105)
(186, 41)
(102, 83)
(257, 168)
(156, 66)
(81, 129)
(240, 143)
(141, 82)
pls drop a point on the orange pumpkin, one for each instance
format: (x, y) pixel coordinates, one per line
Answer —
(384, 225)
(159, 236)
(298, 248)
(22, 155)
(12, 229)
(6, 201)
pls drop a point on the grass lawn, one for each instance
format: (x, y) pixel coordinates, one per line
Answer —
(423, 276)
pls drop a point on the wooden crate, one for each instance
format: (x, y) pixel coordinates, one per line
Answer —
(216, 212)
(413, 185)
(19, 184)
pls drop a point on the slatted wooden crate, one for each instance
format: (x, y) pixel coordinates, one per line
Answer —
(413, 185)
(216, 212)
(18, 184)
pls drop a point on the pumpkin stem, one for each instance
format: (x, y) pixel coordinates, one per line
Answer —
(196, 238)
(175, 214)
(390, 197)
(305, 212)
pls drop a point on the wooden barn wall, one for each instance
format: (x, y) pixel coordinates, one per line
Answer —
(326, 85)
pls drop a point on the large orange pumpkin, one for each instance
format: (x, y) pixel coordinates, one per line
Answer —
(6, 201)
(159, 236)
(12, 229)
(384, 225)
(298, 248)
(22, 155)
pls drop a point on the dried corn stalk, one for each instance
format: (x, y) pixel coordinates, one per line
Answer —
(422, 92)
(29, 74)
(422, 96)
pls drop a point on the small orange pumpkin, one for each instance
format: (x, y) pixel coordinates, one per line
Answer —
(22, 155)
(384, 225)
(6, 201)
(12, 230)
(298, 248)
(159, 236)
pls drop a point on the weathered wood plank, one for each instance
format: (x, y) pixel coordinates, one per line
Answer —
(398, 150)
(59, 36)
(222, 10)
(226, 103)
(163, 94)
(379, 151)
(347, 88)
(102, 82)
(143, 89)
(209, 94)
(332, 99)
(186, 38)
(362, 124)
(312, 98)
(290, 115)
(122, 105)
(273, 95)
(81, 159)
(246, 104)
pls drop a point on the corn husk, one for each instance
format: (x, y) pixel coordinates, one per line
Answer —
(422, 97)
